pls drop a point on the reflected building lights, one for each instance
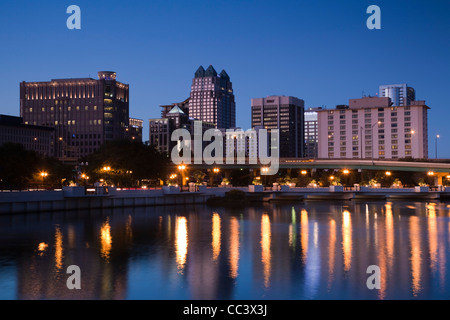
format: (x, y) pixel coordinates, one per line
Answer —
(216, 236)
(292, 230)
(42, 247)
(234, 247)
(416, 259)
(389, 233)
(58, 248)
(347, 239)
(331, 251)
(105, 240)
(432, 235)
(181, 242)
(266, 255)
(304, 230)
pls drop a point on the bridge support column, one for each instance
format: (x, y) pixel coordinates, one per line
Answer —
(438, 178)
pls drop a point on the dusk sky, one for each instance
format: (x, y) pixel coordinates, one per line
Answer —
(319, 51)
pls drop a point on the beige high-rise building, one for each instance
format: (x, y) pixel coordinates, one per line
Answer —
(372, 128)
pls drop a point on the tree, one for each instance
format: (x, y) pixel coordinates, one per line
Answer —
(17, 165)
(128, 161)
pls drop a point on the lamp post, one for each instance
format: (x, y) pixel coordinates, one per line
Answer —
(346, 172)
(181, 168)
(216, 171)
(265, 170)
(43, 175)
(436, 139)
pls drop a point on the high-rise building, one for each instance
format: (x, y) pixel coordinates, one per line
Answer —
(372, 128)
(34, 138)
(83, 111)
(212, 98)
(400, 94)
(311, 133)
(134, 129)
(285, 114)
(161, 129)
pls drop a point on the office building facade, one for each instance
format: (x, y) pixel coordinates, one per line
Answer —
(311, 133)
(84, 112)
(33, 138)
(212, 98)
(134, 129)
(285, 114)
(372, 128)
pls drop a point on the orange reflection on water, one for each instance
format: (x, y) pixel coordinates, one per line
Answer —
(234, 247)
(304, 230)
(181, 242)
(389, 233)
(331, 248)
(216, 236)
(416, 259)
(432, 235)
(42, 246)
(105, 240)
(347, 239)
(266, 254)
(58, 248)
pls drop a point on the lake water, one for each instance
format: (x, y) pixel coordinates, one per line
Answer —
(305, 250)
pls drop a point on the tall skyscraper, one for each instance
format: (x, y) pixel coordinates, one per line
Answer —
(285, 114)
(400, 94)
(212, 98)
(372, 128)
(84, 112)
(311, 133)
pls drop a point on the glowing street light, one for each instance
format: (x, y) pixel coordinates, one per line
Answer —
(437, 137)
(430, 173)
(388, 173)
(304, 172)
(346, 171)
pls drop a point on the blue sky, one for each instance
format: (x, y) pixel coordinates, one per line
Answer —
(320, 51)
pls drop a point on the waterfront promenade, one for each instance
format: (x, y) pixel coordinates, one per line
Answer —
(76, 198)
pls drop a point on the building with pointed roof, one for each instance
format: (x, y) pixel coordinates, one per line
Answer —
(212, 98)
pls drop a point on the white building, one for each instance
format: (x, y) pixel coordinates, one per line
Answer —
(372, 128)
(400, 94)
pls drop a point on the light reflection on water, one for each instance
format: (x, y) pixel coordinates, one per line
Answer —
(311, 250)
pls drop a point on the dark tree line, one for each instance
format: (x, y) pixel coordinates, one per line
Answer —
(21, 168)
(128, 163)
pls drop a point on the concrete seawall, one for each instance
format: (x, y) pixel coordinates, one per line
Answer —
(45, 201)
(80, 198)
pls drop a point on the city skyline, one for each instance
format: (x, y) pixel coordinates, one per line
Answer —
(147, 56)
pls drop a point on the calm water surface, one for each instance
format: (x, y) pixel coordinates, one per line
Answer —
(311, 250)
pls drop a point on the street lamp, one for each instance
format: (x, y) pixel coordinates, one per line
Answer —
(388, 173)
(181, 168)
(437, 137)
(43, 175)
